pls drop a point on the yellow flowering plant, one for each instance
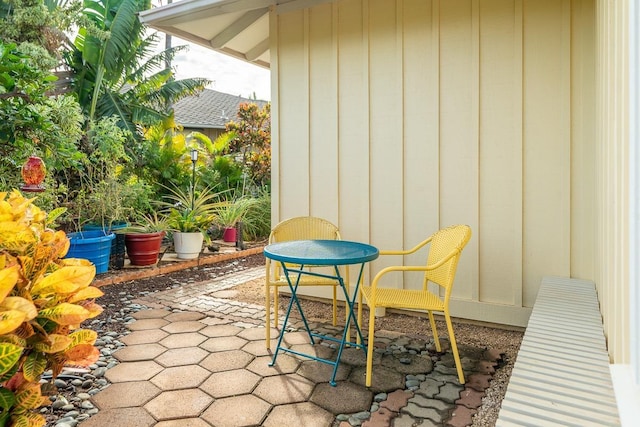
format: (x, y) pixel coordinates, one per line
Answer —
(43, 300)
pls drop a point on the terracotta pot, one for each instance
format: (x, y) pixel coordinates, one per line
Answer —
(143, 248)
(229, 234)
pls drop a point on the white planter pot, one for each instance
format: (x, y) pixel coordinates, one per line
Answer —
(188, 245)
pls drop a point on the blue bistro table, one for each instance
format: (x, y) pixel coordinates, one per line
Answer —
(294, 256)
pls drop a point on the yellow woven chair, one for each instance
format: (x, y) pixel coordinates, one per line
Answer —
(442, 261)
(298, 228)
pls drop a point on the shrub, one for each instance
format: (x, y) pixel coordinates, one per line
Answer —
(43, 300)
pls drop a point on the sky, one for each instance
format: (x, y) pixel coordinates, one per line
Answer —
(229, 75)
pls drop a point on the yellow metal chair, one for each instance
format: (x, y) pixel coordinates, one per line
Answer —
(298, 228)
(442, 261)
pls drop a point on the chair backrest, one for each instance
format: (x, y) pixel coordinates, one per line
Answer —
(446, 242)
(304, 228)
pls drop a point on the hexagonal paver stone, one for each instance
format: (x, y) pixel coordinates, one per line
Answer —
(257, 334)
(223, 343)
(182, 356)
(408, 363)
(179, 377)
(244, 410)
(383, 379)
(190, 339)
(184, 316)
(226, 360)
(283, 389)
(321, 372)
(144, 337)
(344, 398)
(259, 348)
(130, 417)
(293, 338)
(305, 414)
(181, 327)
(155, 313)
(133, 371)
(230, 383)
(211, 319)
(139, 352)
(285, 364)
(184, 422)
(145, 324)
(178, 404)
(124, 395)
(221, 331)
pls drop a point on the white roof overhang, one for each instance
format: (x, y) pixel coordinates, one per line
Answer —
(239, 28)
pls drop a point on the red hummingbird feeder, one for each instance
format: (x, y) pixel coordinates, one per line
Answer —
(33, 173)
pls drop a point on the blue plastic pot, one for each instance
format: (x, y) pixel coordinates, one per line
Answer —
(94, 246)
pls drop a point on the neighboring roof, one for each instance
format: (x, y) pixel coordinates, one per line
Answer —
(210, 109)
(239, 28)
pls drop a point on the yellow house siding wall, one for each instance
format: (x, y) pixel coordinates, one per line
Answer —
(397, 117)
(612, 190)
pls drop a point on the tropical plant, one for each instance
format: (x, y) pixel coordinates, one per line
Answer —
(190, 211)
(43, 300)
(256, 223)
(228, 213)
(149, 223)
(252, 141)
(115, 71)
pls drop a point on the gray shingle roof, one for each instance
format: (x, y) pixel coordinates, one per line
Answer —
(209, 109)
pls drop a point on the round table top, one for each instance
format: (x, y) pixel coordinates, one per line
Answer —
(321, 252)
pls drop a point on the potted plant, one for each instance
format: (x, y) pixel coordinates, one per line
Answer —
(143, 239)
(189, 215)
(229, 213)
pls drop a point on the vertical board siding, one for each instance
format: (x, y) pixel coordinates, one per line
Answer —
(420, 127)
(546, 141)
(385, 128)
(397, 117)
(458, 132)
(353, 120)
(500, 150)
(612, 189)
(293, 116)
(323, 112)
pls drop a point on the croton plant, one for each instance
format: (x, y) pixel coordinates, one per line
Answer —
(43, 300)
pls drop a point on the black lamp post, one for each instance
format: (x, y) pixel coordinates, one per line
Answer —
(194, 159)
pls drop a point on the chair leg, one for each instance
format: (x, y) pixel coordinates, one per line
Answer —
(267, 324)
(276, 306)
(454, 347)
(335, 307)
(435, 331)
(370, 338)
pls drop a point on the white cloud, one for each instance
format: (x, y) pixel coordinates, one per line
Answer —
(230, 75)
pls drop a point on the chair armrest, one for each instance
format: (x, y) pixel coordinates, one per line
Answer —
(374, 283)
(407, 251)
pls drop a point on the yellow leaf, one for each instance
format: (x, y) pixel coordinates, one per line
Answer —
(83, 336)
(29, 397)
(87, 293)
(72, 262)
(65, 314)
(93, 309)
(34, 365)
(10, 320)
(56, 343)
(20, 304)
(8, 279)
(9, 356)
(82, 355)
(66, 280)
